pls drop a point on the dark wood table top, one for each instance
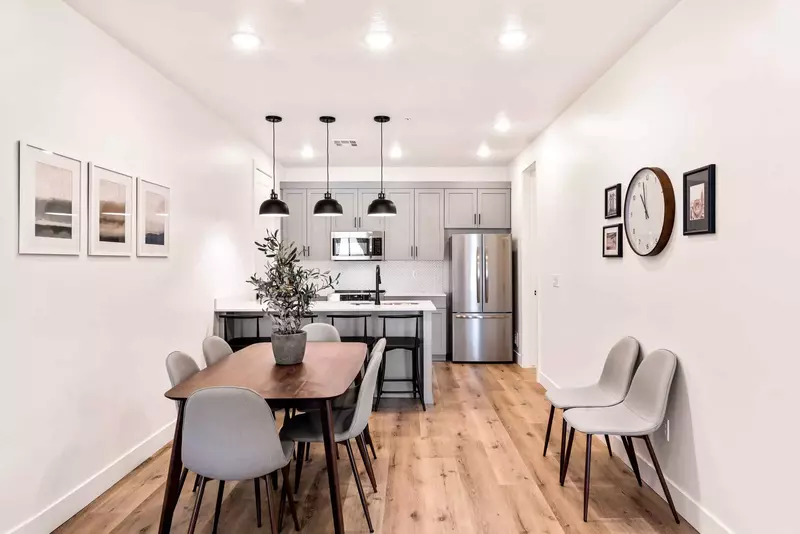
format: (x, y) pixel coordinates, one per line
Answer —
(327, 371)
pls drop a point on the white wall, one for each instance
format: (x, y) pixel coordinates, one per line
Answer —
(398, 174)
(715, 82)
(84, 339)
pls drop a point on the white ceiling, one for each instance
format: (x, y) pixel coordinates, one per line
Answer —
(445, 70)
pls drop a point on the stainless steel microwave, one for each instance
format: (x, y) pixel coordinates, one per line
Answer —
(357, 246)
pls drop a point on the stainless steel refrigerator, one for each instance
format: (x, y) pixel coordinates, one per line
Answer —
(482, 300)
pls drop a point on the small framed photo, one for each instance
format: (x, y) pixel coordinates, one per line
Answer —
(612, 241)
(613, 202)
(110, 212)
(152, 219)
(50, 201)
(699, 201)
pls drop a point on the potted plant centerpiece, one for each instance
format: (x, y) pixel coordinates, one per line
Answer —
(286, 293)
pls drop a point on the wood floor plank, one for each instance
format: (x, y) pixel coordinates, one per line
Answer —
(471, 464)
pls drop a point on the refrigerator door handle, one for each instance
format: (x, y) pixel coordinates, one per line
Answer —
(486, 279)
(478, 276)
(474, 316)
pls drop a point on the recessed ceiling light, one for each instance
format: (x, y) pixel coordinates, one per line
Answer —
(396, 152)
(378, 40)
(246, 41)
(307, 152)
(512, 38)
(483, 151)
(501, 124)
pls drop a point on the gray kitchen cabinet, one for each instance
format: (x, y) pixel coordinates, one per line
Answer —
(439, 328)
(318, 229)
(429, 215)
(400, 228)
(293, 227)
(365, 222)
(348, 222)
(494, 208)
(461, 208)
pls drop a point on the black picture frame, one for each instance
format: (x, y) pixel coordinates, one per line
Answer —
(613, 206)
(618, 229)
(699, 214)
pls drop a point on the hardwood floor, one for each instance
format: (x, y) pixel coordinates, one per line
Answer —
(471, 464)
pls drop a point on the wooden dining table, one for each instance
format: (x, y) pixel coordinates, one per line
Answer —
(326, 372)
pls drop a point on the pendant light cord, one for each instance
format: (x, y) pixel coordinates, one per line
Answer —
(273, 157)
(328, 157)
(381, 157)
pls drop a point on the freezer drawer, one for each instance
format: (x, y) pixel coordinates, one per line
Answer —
(482, 337)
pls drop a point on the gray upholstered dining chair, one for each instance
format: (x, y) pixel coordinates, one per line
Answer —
(215, 349)
(220, 447)
(321, 332)
(639, 415)
(608, 391)
(349, 424)
(181, 366)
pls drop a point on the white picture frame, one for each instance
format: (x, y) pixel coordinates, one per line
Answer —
(111, 212)
(50, 201)
(152, 219)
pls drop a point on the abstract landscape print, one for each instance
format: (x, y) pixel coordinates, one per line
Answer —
(110, 212)
(153, 219)
(50, 187)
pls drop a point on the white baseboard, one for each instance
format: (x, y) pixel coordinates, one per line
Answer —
(689, 509)
(545, 381)
(73, 502)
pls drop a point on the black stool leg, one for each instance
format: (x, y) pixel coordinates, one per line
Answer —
(549, 427)
(381, 379)
(419, 379)
(586, 478)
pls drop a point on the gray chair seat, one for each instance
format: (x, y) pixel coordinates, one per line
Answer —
(617, 420)
(307, 427)
(347, 399)
(587, 396)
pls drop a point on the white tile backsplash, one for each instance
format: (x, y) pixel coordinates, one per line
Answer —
(398, 276)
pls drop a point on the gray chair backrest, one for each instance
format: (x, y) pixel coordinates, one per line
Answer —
(615, 379)
(180, 366)
(229, 433)
(649, 391)
(366, 391)
(215, 349)
(321, 332)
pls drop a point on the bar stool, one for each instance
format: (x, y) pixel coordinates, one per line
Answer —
(238, 343)
(412, 344)
(363, 338)
(312, 316)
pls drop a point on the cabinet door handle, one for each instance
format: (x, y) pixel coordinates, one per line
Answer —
(479, 219)
(308, 250)
(474, 219)
(412, 251)
(355, 222)
(416, 251)
(359, 221)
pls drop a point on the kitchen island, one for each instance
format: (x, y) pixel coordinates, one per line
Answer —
(426, 307)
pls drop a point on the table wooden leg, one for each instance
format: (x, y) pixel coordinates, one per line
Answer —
(172, 490)
(326, 413)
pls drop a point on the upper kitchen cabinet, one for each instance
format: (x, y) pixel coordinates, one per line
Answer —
(429, 225)
(461, 208)
(365, 222)
(311, 234)
(399, 243)
(494, 208)
(348, 222)
(293, 227)
(318, 229)
(477, 208)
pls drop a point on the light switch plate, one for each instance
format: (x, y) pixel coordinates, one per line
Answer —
(556, 280)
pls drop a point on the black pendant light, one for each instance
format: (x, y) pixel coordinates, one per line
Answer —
(328, 207)
(273, 206)
(381, 206)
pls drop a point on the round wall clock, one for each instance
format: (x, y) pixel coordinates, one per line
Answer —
(649, 211)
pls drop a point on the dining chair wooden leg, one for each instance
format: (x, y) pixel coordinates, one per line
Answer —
(563, 445)
(196, 512)
(274, 478)
(661, 478)
(566, 458)
(182, 480)
(258, 499)
(273, 520)
(608, 444)
(308, 452)
(368, 436)
(586, 478)
(549, 427)
(358, 484)
(218, 507)
(287, 492)
(628, 442)
(298, 468)
(362, 448)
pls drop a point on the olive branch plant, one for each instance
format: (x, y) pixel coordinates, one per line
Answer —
(288, 288)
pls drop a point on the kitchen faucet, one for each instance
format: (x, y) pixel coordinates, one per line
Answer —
(377, 285)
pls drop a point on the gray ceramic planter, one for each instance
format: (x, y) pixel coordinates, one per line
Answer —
(289, 350)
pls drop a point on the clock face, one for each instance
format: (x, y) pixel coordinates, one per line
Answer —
(649, 211)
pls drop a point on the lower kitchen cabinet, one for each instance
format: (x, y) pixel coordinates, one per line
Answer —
(439, 327)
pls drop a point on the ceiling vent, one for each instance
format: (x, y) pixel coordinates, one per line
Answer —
(345, 142)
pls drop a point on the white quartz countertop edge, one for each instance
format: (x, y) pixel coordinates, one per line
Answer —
(251, 306)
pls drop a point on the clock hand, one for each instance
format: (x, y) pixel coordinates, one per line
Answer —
(644, 202)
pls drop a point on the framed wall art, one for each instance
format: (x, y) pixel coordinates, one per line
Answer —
(613, 201)
(699, 201)
(111, 213)
(612, 241)
(152, 219)
(50, 193)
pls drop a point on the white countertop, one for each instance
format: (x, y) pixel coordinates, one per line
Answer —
(244, 305)
(406, 294)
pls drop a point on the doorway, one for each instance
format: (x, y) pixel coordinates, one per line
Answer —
(529, 273)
